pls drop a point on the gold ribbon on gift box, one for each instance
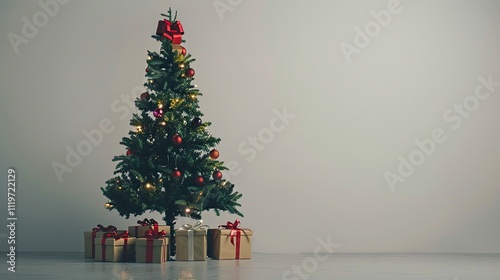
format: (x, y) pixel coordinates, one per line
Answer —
(190, 236)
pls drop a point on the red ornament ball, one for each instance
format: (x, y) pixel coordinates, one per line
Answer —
(176, 174)
(190, 72)
(145, 96)
(129, 152)
(199, 181)
(217, 175)
(158, 113)
(176, 139)
(214, 154)
(183, 51)
(147, 69)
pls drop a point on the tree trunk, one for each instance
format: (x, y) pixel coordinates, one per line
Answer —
(170, 221)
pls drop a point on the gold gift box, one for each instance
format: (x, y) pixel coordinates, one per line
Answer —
(151, 250)
(221, 248)
(88, 241)
(191, 245)
(115, 250)
(139, 231)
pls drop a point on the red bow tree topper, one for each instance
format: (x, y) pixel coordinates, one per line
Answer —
(172, 31)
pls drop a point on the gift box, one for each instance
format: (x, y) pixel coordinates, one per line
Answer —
(229, 242)
(137, 231)
(145, 225)
(89, 238)
(151, 250)
(191, 243)
(115, 249)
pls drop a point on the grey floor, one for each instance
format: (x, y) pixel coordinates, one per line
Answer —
(73, 266)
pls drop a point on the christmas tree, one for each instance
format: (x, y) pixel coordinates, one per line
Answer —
(170, 162)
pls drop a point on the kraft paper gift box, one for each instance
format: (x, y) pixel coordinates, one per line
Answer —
(190, 244)
(151, 250)
(229, 243)
(145, 225)
(89, 238)
(110, 249)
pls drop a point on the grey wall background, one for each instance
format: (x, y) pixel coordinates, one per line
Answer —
(321, 174)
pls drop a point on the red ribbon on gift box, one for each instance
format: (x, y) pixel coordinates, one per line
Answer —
(122, 235)
(103, 244)
(172, 31)
(148, 222)
(144, 222)
(116, 236)
(125, 236)
(105, 229)
(100, 227)
(154, 224)
(151, 236)
(234, 234)
(235, 230)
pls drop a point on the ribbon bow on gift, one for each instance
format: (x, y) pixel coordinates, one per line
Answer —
(151, 234)
(115, 235)
(172, 31)
(235, 234)
(121, 235)
(146, 222)
(100, 227)
(230, 225)
(190, 237)
(198, 225)
(235, 228)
